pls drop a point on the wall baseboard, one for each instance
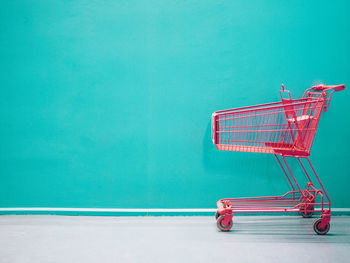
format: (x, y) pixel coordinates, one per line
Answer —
(113, 210)
(123, 211)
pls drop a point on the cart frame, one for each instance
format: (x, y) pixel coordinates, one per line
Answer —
(285, 129)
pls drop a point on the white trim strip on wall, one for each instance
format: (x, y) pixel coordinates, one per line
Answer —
(123, 210)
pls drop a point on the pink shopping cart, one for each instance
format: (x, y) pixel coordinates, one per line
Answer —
(285, 129)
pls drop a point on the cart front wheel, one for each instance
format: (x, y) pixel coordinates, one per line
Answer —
(217, 215)
(220, 225)
(318, 229)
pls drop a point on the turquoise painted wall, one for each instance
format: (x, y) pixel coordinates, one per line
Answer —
(108, 103)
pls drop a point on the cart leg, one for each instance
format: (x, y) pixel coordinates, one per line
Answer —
(322, 225)
(323, 192)
(290, 172)
(308, 177)
(285, 173)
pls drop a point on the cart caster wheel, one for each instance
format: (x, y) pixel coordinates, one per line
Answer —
(307, 215)
(217, 215)
(221, 226)
(318, 230)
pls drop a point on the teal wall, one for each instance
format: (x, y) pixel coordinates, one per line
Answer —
(108, 103)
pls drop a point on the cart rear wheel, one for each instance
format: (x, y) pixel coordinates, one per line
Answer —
(308, 214)
(318, 229)
(217, 215)
(221, 226)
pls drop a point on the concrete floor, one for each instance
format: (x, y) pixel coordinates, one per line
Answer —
(170, 239)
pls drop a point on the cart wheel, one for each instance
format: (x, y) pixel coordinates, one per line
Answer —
(308, 214)
(217, 215)
(221, 226)
(321, 231)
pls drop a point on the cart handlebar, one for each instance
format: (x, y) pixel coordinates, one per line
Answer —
(322, 87)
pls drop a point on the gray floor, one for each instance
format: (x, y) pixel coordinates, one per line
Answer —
(170, 239)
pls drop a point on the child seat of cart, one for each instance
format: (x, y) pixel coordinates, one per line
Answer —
(291, 113)
(299, 118)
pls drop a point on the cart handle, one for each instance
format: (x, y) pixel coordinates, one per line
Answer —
(322, 87)
(325, 88)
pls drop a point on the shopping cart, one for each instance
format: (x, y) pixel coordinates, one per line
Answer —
(284, 129)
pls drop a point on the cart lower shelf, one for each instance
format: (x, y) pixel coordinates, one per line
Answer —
(303, 202)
